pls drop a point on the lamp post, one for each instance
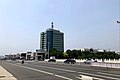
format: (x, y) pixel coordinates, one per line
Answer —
(48, 50)
(119, 33)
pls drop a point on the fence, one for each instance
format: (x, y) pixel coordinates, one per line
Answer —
(99, 60)
(107, 65)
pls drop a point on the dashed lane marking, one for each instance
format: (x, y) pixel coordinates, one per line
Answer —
(94, 78)
(108, 74)
(83, 73)
(99, 76)
(44, 72)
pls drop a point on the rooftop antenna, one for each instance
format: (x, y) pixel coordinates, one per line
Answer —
(52, 25)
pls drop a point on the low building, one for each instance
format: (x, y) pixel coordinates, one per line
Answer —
(40, 54)
(95, 50)
(101, 50)
(29, 55)
(117, 52)
(84, 49)
(23, 55)
(10, 57)
(18, 56)
(2, 57)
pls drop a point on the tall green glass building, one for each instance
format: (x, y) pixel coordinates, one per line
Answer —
(52, 38)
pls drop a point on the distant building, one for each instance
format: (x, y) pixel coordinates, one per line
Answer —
(2, 57)
(11, 56)
(117, 52)
(52, 38)
(84, 49)
(23, 55)
(95, 50)
(101, 50)
(18, 56)
(29, 55)
(39, 54)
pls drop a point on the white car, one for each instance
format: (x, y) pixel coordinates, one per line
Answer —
(89, 61)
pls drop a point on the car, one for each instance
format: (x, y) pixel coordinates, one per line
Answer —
(51, 60)
(41, 59)
(95, 61)
(89, 61)
(72, 61)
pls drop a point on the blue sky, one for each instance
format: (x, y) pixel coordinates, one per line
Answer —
(85, 23)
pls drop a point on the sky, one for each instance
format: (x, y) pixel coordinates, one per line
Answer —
(85, 23)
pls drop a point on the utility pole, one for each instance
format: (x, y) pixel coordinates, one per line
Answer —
(48, 50)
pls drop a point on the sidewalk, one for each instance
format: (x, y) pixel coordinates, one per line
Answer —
(5, 75)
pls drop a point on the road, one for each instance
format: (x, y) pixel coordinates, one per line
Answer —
(57, 71)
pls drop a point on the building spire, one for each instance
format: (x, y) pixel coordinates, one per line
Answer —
(52, 25)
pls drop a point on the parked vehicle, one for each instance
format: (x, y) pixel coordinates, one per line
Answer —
(41, 59)
(95, 61)
(72, 61)
(51, 60)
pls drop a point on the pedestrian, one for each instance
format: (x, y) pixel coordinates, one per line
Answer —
(22, 61)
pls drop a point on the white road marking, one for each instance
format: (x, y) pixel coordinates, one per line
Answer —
(93, 77)
(84, 77)
(82, 69)
(73, 71)
(45, 72)
(109, 74)
(56, 68)
(98, 78)
(80, 72)
(63, 77)
(80, 77)
(99, 75)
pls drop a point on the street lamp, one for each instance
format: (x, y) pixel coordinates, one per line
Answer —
(48, 50)
(119, 33)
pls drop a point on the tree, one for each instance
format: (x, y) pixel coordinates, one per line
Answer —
(91, 50)
(65, 55)
(79, 54)
(69, 53)
(74, 53)
(53, 52)
(56, 53)
(60, 55)
(91, 54)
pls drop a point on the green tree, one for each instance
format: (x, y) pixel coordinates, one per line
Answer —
(53, 52)
(60, 55)
(69, 53)
(90, 54)
(65, 55)
(74, 54)
(56, 53)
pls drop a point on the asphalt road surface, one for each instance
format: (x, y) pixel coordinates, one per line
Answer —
(57, 71)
